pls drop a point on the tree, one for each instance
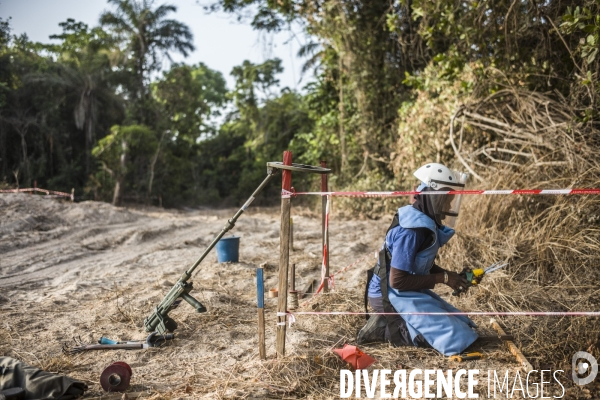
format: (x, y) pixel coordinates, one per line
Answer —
(146, 35)
(84, 71)
(125, 152)
(189, 97)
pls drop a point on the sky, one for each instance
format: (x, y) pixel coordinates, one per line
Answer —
(221, 41)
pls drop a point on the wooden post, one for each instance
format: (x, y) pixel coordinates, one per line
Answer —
(293, 278)
(284, 254)
(260, 300)
(325, 241)
(291, 234)
(293, 294)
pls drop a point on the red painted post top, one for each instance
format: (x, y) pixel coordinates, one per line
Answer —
(286, 176)
(324, 178)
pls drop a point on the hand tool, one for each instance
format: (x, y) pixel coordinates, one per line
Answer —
(466, 357)
(153, 340)
(474, 276)
(125, 346)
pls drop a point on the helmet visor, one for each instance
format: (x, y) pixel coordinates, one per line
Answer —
(446, 206)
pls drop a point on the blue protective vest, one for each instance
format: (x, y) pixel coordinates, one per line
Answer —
(447, 334)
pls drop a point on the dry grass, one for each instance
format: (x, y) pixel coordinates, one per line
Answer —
(552, 243)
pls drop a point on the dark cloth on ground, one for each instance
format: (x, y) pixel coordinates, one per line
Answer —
(38, 384)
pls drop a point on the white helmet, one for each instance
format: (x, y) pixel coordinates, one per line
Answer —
(439, 177)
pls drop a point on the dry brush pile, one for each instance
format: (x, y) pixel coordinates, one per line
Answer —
(517, 140)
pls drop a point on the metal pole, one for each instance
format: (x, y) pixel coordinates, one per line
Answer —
(230, 224)
(284, 254)
(325, 238)
(260, 299)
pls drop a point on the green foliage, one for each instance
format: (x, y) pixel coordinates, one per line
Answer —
(144, 35)
(95, 110)
(189, 97)
(584, 20)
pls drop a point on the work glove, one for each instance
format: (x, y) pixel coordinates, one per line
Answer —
(457, 282)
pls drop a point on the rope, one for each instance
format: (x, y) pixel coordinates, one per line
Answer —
(51, 193)
(292, 315)
(455, 192)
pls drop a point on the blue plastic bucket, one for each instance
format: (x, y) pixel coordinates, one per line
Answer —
(228, 249)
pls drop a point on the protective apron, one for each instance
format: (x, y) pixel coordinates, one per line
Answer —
(448, 334)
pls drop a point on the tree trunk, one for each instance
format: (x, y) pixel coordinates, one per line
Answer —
(22, 132)
(3, 153)
(341, 117)
(154, 163)
(120, 176)
(88, 137)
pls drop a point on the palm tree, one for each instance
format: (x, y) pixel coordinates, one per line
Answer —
(84, 72)
(147, 36)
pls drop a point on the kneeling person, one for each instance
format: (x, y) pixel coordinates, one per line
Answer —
(405, 272)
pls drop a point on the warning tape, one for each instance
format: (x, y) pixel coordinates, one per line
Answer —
(47, 192)
(456, 192)
(463, 313)
(292, 315)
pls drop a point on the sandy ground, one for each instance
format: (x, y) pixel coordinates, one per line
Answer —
(85, 270)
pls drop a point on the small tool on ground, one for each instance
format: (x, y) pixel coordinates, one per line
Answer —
(474, 276)
(153, 340)
(466, 357)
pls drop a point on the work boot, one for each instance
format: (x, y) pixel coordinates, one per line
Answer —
(373, 331)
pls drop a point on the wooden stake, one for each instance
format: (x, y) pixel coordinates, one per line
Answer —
(260, 300)
(325, 241)
(512, 347)
(293, 278)
(284, 254)
(291, 234)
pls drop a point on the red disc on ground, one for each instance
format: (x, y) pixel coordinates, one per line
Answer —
(123, 363)
(115, 378)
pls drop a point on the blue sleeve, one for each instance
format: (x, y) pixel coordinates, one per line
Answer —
(404, 243)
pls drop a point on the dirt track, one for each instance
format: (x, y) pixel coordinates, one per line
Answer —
(89, 269)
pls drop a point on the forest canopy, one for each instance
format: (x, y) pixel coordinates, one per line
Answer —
(96, 111)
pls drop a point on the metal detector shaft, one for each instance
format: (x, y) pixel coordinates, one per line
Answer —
(159, 320)
(230, 224)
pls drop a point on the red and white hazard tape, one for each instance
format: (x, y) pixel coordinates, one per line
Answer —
(433, 193)
(52, 193)
(292, 315)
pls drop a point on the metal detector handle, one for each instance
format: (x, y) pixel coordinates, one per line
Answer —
(193, 302)
(230, 224)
